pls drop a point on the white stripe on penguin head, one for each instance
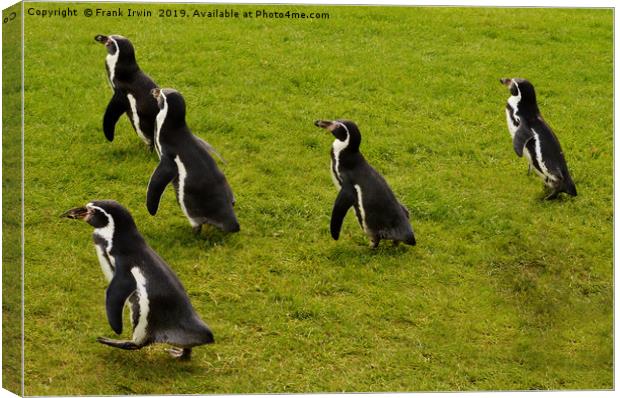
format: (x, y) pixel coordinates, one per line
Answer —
(338, 146)
(111, 60)
(159, 122)
(343, 125)
(514, 101)
(106, 232)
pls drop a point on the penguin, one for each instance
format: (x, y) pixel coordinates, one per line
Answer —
(201, 188)
(132, 89)
(160, 309)
(360, 186)
(532, 137)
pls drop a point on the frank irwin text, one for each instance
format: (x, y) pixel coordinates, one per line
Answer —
(175, 13)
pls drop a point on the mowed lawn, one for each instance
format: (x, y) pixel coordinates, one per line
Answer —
(503, 290)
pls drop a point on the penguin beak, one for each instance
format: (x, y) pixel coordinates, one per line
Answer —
(102, 39)
(156, 92)
(506, 81)
(325, 124)
(79, 213)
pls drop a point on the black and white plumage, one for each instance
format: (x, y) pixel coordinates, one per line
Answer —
(161, 311)
(132, 90)
(532, 137)
(201, 188)
(360, 186)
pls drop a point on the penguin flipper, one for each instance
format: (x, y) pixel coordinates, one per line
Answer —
(210, 149)
(180, 353)
(165, 171)
(123, 344)
(121, 286)
(117, 106)
(521, 137)
(344, 201)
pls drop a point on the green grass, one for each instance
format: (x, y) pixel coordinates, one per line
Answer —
(503, 291)
(11, 203)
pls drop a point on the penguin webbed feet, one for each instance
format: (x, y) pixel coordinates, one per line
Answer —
(196, 230)
(122, 344)
(553, 195)
(374, 243)
(183, 354)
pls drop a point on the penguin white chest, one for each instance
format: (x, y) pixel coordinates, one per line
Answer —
(512, 118)
(512, 126)
(337, 148)
(135, 118)
(110, 61)
(139, 332)
(106, 262)
(335, 177)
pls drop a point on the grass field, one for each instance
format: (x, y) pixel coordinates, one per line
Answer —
(11, 203)
(503, 290)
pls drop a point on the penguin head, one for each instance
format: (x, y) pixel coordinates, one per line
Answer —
(522, 95)
(172, 103)
(107, 216)
(345, 132)
(118, 45)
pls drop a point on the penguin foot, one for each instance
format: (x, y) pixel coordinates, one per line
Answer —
(196, 230)
(553, 195)
(395, 243)
(180, 353)
(122, 344)
(374, 243)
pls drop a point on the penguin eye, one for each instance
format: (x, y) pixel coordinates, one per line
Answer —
(97, 219)
(111, 47)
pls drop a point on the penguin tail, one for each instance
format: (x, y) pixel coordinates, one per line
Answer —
(571, 189)
(569, 186)
(410, 240)
(194, 332)
(204, 334)
(232, 227)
